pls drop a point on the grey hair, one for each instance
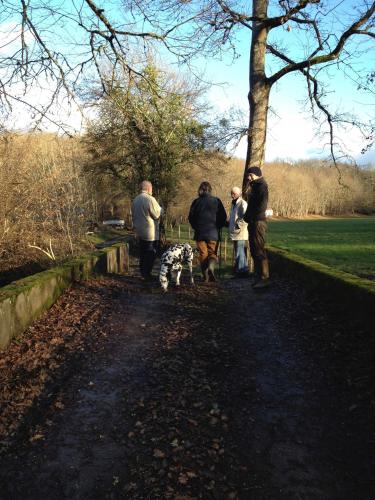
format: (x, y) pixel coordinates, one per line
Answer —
(146, 185)
(236, 190)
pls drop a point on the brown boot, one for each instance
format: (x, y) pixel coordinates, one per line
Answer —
(264, 281)
(257, 272)
(211, 269)
(206, 277)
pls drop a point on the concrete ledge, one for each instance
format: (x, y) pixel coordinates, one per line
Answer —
(25, 300)
(351, 294)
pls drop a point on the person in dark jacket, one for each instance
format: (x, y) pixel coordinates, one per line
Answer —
(255, 216)
(207, 216)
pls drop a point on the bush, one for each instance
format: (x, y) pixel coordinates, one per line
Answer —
(45, 199)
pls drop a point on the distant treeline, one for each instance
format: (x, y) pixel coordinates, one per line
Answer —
(312, 187)
(309, 187)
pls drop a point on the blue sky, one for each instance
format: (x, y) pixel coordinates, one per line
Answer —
(291, 131)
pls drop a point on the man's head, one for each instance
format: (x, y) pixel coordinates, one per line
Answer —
(146, 186)
(235, 192)
(253, 173)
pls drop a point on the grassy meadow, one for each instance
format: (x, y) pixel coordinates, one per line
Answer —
(347, 244)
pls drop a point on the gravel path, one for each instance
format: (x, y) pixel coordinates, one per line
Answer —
(121, 391)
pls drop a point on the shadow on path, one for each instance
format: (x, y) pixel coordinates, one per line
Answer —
(205, 392)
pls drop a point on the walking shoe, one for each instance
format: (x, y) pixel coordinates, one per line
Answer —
(211, 269)
(148, 278)
(263, 283)
(254, 279)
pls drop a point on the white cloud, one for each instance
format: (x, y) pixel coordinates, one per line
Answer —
(10, 38)
(288, 136)
(291, 135)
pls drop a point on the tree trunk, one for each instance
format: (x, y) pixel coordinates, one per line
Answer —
(259, 89)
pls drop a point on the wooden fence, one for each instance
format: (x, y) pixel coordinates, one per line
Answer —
(184, 233)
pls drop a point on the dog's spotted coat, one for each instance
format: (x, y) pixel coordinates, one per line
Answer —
(171, 263)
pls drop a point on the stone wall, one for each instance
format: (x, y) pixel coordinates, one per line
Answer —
(351, 295)
(25, 300)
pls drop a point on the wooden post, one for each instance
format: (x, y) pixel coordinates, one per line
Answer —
(189, 233)
(127, 258)
(179, 232)
(225, 250)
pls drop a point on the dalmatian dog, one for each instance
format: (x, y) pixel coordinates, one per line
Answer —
(171, 264)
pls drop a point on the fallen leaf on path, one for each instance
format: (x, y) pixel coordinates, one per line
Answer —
(158, 453)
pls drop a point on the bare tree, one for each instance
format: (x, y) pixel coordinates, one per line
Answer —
(320, 35)
(67, 43)
(50, 49)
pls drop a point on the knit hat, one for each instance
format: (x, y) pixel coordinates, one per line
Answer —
(254, 170)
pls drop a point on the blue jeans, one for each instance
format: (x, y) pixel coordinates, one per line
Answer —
(240, 255)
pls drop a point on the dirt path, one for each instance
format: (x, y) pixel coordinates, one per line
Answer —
(207, 392)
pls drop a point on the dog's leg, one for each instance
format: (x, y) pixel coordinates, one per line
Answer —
(191, 272)
(163, 281)
(178, 274)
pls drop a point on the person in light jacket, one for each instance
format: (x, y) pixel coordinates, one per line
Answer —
(238, 233)
(146, 213)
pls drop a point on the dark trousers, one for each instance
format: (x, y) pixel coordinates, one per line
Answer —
(147, 254)
(257, 240)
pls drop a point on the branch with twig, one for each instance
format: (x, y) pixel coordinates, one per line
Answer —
(48, 251)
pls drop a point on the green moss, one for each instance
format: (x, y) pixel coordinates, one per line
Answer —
(107, 234)
(348, 294)
(61, 272)
(329, 272)
(23, 301)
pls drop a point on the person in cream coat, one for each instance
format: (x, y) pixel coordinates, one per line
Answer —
(238, 233)
(146, 213)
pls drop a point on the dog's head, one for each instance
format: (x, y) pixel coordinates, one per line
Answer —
(164, 283)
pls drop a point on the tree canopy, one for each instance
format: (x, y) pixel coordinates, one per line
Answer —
(149, 127)
(62, 45)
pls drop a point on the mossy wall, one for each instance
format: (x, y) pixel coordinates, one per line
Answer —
(350, 294)
(25, 300)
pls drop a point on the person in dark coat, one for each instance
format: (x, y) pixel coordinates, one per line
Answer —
(255, 216)
(207, 216)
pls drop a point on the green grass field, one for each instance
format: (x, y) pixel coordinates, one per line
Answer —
(345, 244)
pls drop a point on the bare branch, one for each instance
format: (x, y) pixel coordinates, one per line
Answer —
(114, 31)
(273, 22)
(332, 55)
(364, 32)
(48, 251)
